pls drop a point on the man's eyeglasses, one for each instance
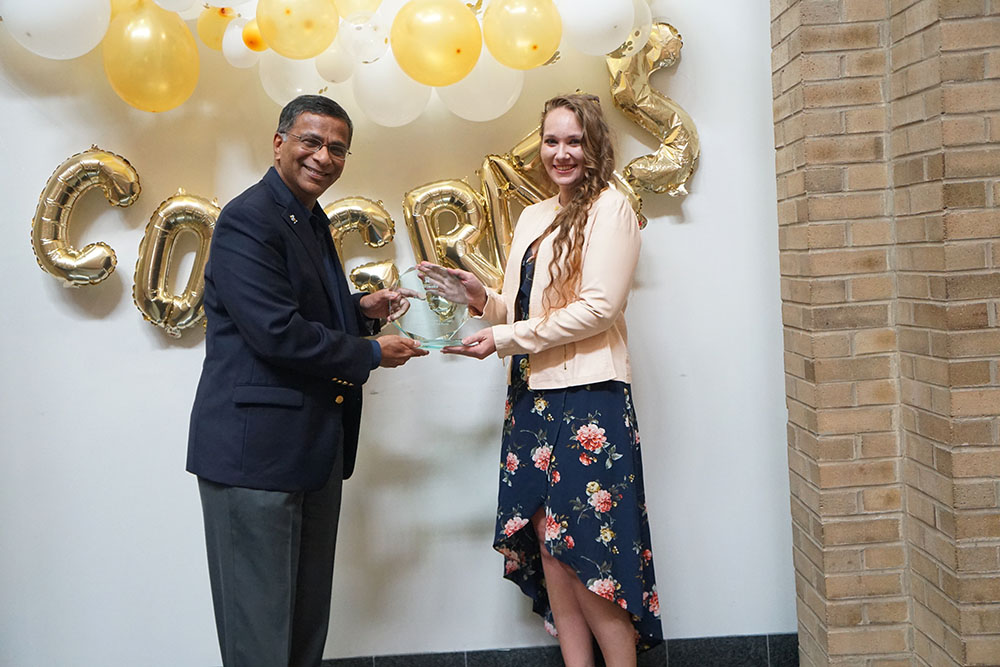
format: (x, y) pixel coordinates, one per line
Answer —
(312, 144)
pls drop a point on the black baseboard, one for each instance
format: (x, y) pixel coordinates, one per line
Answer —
(746, 651)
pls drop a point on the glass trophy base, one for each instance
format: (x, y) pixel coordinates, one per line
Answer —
(431, 320)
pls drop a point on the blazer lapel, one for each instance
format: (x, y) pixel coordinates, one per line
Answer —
(304, 232)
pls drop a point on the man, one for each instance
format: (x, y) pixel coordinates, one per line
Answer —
(274, 428)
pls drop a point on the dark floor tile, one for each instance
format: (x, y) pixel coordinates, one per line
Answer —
(654, 657)
(783, 650)
(718, 652)
(366, 661)
(539, 656)
(421, 660)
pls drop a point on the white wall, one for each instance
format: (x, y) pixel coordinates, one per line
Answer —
(101, 550)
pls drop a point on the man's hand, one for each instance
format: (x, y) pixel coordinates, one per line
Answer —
(397, 350)
(387, 304)
(479, 345)
(454, 285)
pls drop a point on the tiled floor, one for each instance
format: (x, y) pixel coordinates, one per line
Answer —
(750, 651)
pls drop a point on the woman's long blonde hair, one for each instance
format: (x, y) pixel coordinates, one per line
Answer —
(569, 224)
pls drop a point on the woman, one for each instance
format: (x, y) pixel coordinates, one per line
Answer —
(571, 521)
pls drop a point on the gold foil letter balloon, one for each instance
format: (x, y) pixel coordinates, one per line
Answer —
(151, 58)
(369, 219)
(298, 29)
(151, 293)
(466, 242)
(669, 168)
(92, 168)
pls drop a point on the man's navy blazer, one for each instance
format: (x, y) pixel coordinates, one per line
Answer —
(280, 387)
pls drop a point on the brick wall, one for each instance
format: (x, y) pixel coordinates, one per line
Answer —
(887, 120)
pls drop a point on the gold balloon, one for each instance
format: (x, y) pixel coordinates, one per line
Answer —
(374, 276)
(467, 243)
(369, 219)
(119, 6)
(364, 216)
(212, 24)
(522, 34)
(252, 37)
(93, 168)
(436, 42)
(151, 293)
(298, 29)
(348, 8)
(151, 58)
(669, 168)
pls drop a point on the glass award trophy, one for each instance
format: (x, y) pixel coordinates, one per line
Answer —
(431, 319)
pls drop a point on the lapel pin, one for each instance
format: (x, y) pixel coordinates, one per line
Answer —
(292, 218)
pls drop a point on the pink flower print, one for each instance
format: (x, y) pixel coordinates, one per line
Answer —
(591, 437)
(555, 477)
(511, 566)
(585, 459)
(647, 555)
(553, 529)
(601, 501)
(551, 629)
(570, 542)
(604, 587)
(652, 602)
(512, 462)
(622, 603)
(513, 525)
(541, 456)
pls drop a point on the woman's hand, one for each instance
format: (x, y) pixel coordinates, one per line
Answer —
(454, 285)
(387, 304)
(479, 345)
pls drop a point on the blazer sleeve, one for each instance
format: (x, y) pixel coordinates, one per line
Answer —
(609, 260)
(253, 284)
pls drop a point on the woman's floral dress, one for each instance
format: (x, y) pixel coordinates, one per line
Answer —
(575, 452)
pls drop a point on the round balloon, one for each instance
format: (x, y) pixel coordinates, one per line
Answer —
(212, 24)
(151, 58)
(641, 25)
(436, 42)
(522, 34)
(489, 91)
(176, 5)
(284, 79)
(236, 52)
(335, 64)
(596, 27)
(352, 7)
(366, 37)
(119, 6)
(252, 37)
(57, 29)
(298, 28)
(387, 95)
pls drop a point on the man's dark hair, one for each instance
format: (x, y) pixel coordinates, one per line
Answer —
(316, 104)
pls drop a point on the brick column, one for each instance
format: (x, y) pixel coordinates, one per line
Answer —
(886, 128)
(944, 114)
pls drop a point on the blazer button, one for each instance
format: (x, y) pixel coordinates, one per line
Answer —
(338, 400)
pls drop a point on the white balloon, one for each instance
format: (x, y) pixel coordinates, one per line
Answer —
(335, 64)
(641, 27)
(176, 5)
(488, 92)
(192, 12)
(285, 79)
(223, 3)
(366, 36)
(57, 29)
(596, 27)
(233, 48)
(386, 95)
(248, 9)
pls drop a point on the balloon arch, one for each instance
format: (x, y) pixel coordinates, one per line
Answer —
(473, 55)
